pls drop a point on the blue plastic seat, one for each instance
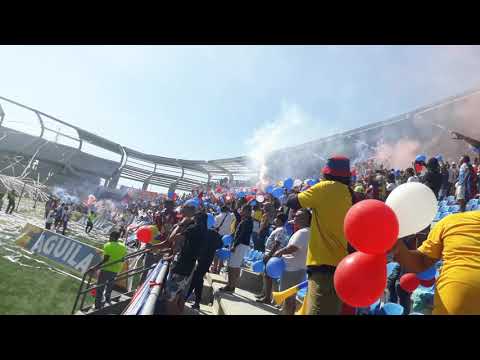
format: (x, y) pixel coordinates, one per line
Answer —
(250, 252)
(445, 208)
(437, 217)
(473, 202)
(375, 308)
(392, 309)
(443, 214)
(442, 203)
(454, 209)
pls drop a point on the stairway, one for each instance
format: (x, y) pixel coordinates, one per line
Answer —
(241, 302)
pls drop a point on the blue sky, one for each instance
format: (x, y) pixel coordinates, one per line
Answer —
(207, 102)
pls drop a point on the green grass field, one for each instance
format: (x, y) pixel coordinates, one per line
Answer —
(34, 290)
(31, 291)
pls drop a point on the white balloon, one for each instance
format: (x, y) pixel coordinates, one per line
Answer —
(260, 198)
(415, 205)
(297, 183)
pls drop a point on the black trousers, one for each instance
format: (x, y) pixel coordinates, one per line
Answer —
(89, 227)
(10, 207)
(106, 280)
(196, 285)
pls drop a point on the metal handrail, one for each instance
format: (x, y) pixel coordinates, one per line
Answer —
(149, 306)
(87, 276)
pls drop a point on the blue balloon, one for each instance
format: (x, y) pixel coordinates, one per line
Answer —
(253, 202)
(210, 221)
(258, 266)
(427, 274)
(288, 183)
(277, 192)
(223, 254)
(269, 189)
(311, 182)
(439, 157)
(275, 267)
(192, 202)
(241, 194)
(227, 240)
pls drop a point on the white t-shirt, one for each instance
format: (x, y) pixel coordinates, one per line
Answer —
(298, 260)
(277, 235)
(225, 228)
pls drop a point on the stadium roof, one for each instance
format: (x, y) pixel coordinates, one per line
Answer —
(133, 164)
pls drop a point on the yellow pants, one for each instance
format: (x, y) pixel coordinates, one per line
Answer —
(456, 298)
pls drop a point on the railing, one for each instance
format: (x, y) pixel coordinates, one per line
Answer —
(87, 285)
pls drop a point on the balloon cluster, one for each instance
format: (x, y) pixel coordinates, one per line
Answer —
(373, 227)
(409, 282)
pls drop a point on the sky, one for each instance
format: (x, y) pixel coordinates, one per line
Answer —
(207, 102)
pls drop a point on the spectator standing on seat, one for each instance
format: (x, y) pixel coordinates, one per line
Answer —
(453, 177)
(295, 256)
(11, 195)
(213, 243)
(113, 251)
(240, 246)
(433, 177)
(277, 239)
(445, 187)
(463, 183)
(330, 199)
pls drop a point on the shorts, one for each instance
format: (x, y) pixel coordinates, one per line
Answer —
(460, 192)
(291, 278)
(237, 256)
(177, 285)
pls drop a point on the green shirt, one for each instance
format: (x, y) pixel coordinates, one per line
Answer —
(115, 250)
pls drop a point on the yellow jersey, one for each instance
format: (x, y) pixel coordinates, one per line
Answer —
(456, 240)
(329, 201)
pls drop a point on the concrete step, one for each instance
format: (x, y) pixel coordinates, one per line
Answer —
(204, 310)
(250, 281)
(241, 302)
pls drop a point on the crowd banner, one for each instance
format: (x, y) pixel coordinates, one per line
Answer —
(63, 250)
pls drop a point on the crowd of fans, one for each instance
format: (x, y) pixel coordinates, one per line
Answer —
(303, 225)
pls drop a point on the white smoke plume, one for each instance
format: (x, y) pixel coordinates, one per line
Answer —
(292, 127)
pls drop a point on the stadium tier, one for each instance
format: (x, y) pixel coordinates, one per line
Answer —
(61, 156)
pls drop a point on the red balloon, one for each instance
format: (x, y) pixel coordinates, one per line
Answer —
(409, 282)
(360, 279)
(418, 168)
(371, 227)
(427, 283)
(144, 234)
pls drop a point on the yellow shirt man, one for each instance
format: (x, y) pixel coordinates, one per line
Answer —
(329, 201)
(456, 240)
